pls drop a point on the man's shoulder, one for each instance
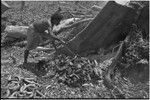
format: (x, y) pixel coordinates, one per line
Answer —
(41, 26)
(41, 22)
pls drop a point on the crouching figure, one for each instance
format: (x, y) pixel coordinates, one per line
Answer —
(35, 35)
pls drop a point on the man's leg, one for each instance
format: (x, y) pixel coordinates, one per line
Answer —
(54, 45)
(33, 40)
(26, 53)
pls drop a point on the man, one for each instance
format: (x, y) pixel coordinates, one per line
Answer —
(36, 33)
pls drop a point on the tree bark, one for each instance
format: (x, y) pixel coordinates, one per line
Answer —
(143, 20)
(106, 29)
(13, 34)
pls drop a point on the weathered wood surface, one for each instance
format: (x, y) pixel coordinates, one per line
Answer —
(105, 29)
(16, 31)
(4, 6)
(13, 34)
(143, 21)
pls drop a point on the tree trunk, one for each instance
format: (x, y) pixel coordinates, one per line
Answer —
(106, 29)
(143, 20)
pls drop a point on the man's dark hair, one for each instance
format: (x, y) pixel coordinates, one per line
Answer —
(56, 17)
(41, 26)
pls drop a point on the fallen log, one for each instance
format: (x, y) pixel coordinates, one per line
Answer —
(107, 28)
(16, 31)
(4, 7)
(13, 34)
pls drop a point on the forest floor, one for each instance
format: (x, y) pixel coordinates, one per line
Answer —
(67, 77)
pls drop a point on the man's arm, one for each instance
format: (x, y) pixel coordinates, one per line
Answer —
(54, 37)
(51, 37)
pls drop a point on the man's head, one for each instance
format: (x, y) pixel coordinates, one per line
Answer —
(56, 17)
(41, 26)
(46, 23)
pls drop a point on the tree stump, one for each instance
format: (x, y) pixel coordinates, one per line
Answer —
(106, 29)
(143, 20)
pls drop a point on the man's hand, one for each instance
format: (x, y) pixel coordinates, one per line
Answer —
(45, 43)
(52, 36)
